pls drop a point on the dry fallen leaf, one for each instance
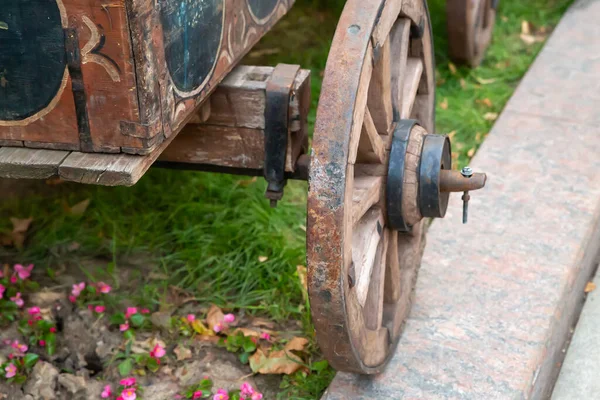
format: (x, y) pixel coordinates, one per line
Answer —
(201, 329)
(144, 346)
(483, 81)
(296, 344)
(451, 135)
(246, 182)
(262, 258)
(215, 316)
(302, 276)
(525, 27)
(471, 152)
(485, 102)
(79, 208)
(590, 287)
(463, 83)
(444, 104)
(278, 362)
(262, 322)
(504, 18)
(19, 233)
(491, 116)
(182, 353)
(478, 137)
(452, 68)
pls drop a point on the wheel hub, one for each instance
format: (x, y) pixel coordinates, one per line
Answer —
(420, 177)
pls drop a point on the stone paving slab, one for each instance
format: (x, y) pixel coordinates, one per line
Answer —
(495, 298)
(578, 377)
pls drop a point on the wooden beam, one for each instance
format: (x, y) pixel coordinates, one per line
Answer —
(22, 163)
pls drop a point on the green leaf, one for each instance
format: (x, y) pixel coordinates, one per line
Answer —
(319, 366)
(129, 334)
(117, 319)
(244, 358)
(153, 365)
(3, 25)
(19, 379)
(249, 346)
(205, 385)
(30, 359)
(125, 367)
(235, 395)
(50, 339)
(137, 320)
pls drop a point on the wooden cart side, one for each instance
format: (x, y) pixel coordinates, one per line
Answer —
(169, 91)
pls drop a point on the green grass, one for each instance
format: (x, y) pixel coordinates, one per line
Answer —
(207, 231)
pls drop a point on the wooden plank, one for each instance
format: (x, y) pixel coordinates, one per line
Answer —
(371, 148)
(380, 91)
(360, 105)
(22, 163)
(373, 309)
(386, 20)
(366, 193)
(414, 70)
(365, 241)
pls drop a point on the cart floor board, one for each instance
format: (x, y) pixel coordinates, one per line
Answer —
(495, 298)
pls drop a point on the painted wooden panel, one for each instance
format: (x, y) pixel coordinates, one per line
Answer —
(118, 76)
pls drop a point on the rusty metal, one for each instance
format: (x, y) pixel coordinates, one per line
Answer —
(454, 181)
(339, 327)
(279, 90)
(435, 158)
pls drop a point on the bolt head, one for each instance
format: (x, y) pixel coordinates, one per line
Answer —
(467, 172)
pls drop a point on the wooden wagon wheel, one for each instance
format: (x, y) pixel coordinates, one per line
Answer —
(362, 271)
(470, 28)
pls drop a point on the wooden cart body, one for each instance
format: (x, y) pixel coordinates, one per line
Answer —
(119, 76)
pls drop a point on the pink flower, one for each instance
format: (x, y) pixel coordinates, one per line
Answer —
(99, 309)
(130, 311)
(13, 279)
(11, 370)
(33, 310)
(145, 311)
(256, 396)
(42, 343)
(2, 289)
(53, 329)
(72, 299)
(107, 392)
(218, 327)
(191, 318)
(21, 348)
(78, 288)
(23, 272)
(246, 389)
(18, 300)
(221, 395)
(104, 288)
(158, 352)
(127, 382)
(265, 336)
(120, 398)
(124, 327)
(229, 318)
(129, 394)
(197, 395)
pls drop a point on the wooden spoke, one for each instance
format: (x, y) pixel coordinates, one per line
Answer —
(380, 91)
(373, 308)
(414, 70)
(371, 148)
(366, 193)
(400, 39)
(365, 241)
(361, 273)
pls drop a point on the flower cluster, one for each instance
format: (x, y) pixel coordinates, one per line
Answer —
(128, 390)
(203, 390)
(90, 294)
(12, 285)
(38, 330)
(132, 318)
(19, 362)
(227, 319)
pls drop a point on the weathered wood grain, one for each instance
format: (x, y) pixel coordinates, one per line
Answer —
(22, 163)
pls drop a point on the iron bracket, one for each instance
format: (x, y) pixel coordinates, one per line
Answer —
(279, 90)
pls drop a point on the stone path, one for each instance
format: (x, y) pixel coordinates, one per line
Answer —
(496, 298)
(578, 377)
